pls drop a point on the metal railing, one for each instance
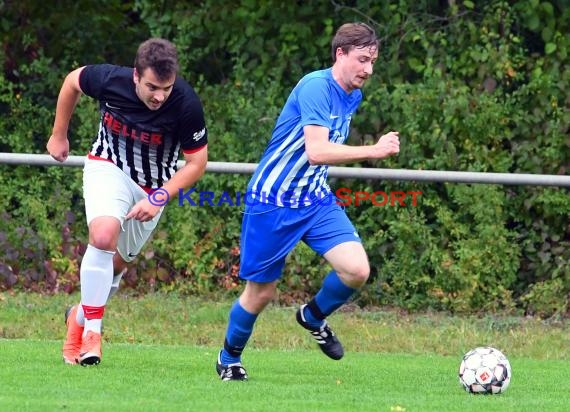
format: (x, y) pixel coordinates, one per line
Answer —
(336, 171)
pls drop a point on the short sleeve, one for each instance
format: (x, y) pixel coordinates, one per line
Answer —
(314, 100)
(193, 131)
(93, 77)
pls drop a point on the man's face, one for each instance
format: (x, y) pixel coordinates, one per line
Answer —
(355, 67)
(152, 92)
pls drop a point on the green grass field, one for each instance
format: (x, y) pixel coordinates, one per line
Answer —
(159, 355)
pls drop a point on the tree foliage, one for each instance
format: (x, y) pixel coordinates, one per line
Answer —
(471, 86)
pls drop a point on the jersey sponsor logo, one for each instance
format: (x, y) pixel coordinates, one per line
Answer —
(112, 107)
(121, 129)
(198, 135)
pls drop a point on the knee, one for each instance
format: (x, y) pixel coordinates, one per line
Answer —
(102, 240)
(256, 297)
(264, 296)
(356, 275)
(104, 232)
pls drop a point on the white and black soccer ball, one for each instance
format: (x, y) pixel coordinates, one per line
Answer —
(485, 370)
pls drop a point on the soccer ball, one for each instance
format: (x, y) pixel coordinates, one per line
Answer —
(485, 370)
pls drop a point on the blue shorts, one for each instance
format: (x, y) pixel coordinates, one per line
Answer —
(269, 233)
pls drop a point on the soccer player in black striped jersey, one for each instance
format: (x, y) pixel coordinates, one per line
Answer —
(149, 115)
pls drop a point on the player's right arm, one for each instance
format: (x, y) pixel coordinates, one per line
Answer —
(58, 143)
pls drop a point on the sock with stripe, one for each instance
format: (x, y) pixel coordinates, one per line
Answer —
(80, 316)
(96, 276)
(240, 328)
(332, 295)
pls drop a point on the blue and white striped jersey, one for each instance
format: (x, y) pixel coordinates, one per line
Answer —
(284, 176)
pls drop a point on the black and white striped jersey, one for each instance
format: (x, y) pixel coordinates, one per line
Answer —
(145, 144)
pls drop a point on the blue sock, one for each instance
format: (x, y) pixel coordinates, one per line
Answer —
(240, 327)
(332, 295)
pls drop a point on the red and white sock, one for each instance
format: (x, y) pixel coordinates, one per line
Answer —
(96, 276)
(80, 316)
(93, 318)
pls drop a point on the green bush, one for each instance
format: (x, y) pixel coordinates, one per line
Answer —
(470, 86)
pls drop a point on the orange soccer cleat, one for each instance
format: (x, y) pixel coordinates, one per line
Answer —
(90, 352)
(72, 344)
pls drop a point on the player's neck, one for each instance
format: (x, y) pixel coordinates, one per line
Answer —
(337, 77)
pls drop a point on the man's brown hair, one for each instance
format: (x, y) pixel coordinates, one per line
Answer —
(158, 54)
(354, 35)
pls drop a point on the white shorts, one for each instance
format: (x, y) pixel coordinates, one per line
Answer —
(108, 191)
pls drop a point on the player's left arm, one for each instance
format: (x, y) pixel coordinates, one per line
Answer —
(190, 173)
(185, 177)
(320, 150)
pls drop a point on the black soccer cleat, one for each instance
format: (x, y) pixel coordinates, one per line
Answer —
(233, 372)
(325, 337)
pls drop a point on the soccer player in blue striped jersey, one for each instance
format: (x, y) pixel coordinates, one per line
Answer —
(293, 202)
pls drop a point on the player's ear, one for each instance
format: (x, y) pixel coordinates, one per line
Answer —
(339, 52)
(136, 76)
